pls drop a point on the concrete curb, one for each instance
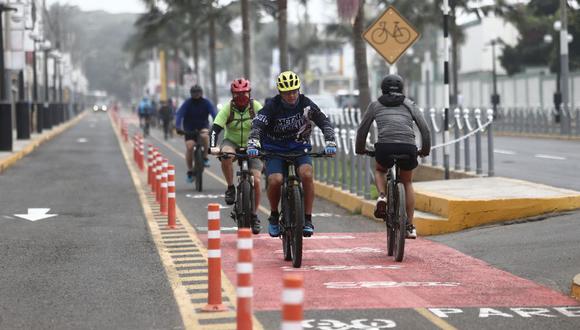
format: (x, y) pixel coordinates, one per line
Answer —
(12, 159)
(539, 136)
(576, 287)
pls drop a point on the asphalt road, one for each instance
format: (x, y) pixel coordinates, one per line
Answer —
(94, 266)
(546, 161)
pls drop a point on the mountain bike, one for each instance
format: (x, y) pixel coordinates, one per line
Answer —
(198, 161)
(245, 199)
(292, 200)
(396, 216)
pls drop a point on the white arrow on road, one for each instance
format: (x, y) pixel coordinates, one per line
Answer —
(36, 214)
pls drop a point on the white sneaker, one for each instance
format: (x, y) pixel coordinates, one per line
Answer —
(411, 232)
(381, 207)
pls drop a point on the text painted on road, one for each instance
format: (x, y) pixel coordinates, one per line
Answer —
(386, 284)
(523, 312)
(323, 268)
(328, 324)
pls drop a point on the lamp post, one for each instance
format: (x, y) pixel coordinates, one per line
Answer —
(36, 40)
(47, 122)
(495, 98)
(559, 101)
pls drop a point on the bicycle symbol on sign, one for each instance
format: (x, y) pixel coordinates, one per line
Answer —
(381, 34)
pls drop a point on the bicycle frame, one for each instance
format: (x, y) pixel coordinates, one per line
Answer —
(239, 214)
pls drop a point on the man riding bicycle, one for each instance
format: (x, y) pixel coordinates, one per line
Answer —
(145, 110)
(284, 126)
(194, 113)
(236, 118)
(394, 114)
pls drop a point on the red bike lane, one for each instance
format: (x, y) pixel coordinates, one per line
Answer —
(352, 271)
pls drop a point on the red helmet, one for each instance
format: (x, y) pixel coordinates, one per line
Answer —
(241, 85)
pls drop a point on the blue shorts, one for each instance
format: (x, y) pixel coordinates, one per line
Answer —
(276, 165)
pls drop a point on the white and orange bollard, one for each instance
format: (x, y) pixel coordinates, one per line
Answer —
(244, 268)
(214, 260)
(171, 196)
(154, 172)
(163, 203)
(292, 302)
(149, 164)
(158, 167)
(141, 154)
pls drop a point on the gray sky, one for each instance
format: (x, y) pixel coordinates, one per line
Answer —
(113, 6)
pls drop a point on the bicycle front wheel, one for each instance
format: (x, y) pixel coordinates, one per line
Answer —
(245, 207)
(296, 208)
(401, 223)
(198, 166)
(389, 222)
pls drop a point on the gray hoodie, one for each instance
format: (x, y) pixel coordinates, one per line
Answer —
(394, 114)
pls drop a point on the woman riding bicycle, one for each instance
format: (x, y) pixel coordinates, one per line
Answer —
(284, 126)
(394, 114)
(236, 118)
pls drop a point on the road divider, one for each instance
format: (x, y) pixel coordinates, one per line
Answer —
(292, 302)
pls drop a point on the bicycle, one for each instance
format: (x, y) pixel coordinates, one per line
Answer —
(144, 123)
(198, 161)
(245, 200)
(292, 211)
(380, 35)
(396, 215)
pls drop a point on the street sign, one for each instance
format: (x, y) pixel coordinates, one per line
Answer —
(391, 35)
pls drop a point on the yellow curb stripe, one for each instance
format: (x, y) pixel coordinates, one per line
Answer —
(33, 145)
(434, 319)
(576, 287)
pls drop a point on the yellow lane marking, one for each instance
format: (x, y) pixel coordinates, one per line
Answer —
(434, 319)
(210, 173)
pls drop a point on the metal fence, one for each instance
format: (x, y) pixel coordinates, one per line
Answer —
(353, 173)
(536, 121)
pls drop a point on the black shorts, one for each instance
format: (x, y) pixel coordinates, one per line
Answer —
(384, 155)
(192, 136)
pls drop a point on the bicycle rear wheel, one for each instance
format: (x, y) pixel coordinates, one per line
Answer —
(296, 208)
(401, 223)
(244, 204)
(198, 168)
(389, 223)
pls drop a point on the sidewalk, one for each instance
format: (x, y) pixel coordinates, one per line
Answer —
(21, 148)
(446, 206)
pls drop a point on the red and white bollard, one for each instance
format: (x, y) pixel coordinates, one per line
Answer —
(244, 268)
(159, 168)
(135, 148)
(171, 196)
(150, 164)
(154, 172)
(292, 302)
(214, 260)
(141, 154)
(163, 203)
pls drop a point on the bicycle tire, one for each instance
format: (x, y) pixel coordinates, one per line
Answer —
(389, 219)
(245, 210)
(198, 167)
(296, 208)
(286, 233)
(401, 225)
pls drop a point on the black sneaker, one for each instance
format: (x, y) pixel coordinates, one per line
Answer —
(308, 229)
(189, 176)
(256, 227)
(231, 195)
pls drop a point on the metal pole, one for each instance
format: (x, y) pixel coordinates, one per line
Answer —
(564, 68)
(494, 97)
(490, 155)
(446, 87)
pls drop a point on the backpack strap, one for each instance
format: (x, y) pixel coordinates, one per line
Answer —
(231, 114)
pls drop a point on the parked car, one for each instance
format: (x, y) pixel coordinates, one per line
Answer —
(346, 99)
(99, 107)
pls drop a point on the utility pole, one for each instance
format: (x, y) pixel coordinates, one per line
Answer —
(564, 69)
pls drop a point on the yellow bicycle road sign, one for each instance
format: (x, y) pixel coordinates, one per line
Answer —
(391, 35)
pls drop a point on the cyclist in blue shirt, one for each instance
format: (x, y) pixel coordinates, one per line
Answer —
(192, 116)
(144, 110)
(284, 125)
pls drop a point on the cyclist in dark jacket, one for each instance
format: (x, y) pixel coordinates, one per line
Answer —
(166, 113)
(193, 116)
(394, 114)
(283, 126)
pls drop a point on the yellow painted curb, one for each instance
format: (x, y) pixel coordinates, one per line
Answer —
(12, 159)
(576, 287)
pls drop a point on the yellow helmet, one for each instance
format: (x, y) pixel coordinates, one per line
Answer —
(288, 81)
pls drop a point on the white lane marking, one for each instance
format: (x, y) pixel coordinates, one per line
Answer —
(504, 152)
(8, 217)
(82, 140)
(386, 284)
(323, 268)
(222, 228)
(315, 237)
(549, 157)
(342, 250)
(325, 215)
(199, 196)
